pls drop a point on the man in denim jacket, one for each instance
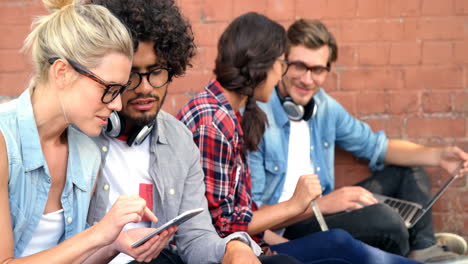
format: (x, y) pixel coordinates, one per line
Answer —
(305, 123)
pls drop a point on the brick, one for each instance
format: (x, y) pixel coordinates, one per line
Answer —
(443, 28)
(174, 102)
(461, 8)
(361, 30)
(394, 127)
(406, 102)
(374, 53)
(15, 15)
(405, 8)
(13, 61)
(13, 84)
(406, 53)
(346, 175)
(435, 127)
(377, 124)
(348, 55)
(343, 157)
(346, 99)
(460, 102)
(437, 7)
(208, 34)
(316, 9)
(433, 77)
(372, 8)
(12, 36)
(437, 52)
(192, 10)
(437, 102)
(191, 82)
(205, 58)
(341, 9)
(460, 52)
(371, 79)
(393, 29)
(281, 10)
(243, 6)
(371, 103)
(214, 10)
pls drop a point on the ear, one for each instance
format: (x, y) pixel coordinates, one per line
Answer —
(60, 73)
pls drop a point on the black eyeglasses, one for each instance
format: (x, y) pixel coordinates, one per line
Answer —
(284, 66)
(111, 90)
(300, 68)
(157, 77)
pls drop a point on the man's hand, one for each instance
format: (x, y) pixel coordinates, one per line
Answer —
(308, 188)
(239, 252)
(450, 158)
(346, 198)
(150, 249)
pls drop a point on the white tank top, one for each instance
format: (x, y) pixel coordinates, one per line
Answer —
(47, 234)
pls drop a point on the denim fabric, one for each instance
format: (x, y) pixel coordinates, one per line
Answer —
(334, 247)
(29, 177)
(331, 125)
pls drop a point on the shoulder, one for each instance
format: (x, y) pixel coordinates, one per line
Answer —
(199, 111)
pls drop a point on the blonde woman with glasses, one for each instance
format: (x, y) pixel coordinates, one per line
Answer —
(48, 166)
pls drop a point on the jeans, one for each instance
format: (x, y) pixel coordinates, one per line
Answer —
(379, 225)
(169, 257)
(336, 247)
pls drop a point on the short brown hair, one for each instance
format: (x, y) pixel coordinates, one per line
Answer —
(312, 34)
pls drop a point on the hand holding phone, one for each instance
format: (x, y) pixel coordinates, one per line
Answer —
(178, 220)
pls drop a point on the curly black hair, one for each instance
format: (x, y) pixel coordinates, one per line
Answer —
(159, 21)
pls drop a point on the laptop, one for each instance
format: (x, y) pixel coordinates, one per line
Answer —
(411, 212)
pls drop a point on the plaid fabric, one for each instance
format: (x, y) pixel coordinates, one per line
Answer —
(217, 132)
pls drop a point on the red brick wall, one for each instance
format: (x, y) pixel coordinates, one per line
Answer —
(403, 67)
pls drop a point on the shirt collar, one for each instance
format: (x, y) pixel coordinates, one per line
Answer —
(215, 89)
(30, 142)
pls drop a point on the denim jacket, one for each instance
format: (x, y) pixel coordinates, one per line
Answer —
(331, 125)
(179, 186)
(29, 179)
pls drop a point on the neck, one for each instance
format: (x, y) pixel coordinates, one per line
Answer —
(49, 114)
(237, 101)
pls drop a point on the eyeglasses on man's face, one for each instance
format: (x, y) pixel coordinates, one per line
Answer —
(157, 77)
(111, 90)
(299, 68)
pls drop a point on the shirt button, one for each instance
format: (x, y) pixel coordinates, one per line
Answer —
(325, 144)
(318, 168)
(311, 147)
(276, 168)
(104, 149)
(106, 187)
(69, 220)
(171, 191)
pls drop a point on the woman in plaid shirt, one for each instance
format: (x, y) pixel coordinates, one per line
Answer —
(250, 63)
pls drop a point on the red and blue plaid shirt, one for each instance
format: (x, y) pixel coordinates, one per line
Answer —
(218, 133)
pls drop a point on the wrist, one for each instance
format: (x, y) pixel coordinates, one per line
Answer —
(237, 244)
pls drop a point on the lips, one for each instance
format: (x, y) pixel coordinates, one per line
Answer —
(103, 120)
(143, 104)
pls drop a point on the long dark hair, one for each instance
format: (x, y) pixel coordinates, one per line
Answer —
(247, 50)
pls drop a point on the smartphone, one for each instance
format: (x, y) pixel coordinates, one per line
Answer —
(175, 221)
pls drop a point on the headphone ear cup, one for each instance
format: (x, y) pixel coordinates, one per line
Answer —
(138, 135)
(115, 125)
(295, 112)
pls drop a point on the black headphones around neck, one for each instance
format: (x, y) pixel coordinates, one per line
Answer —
(297, 112)
(116, 126)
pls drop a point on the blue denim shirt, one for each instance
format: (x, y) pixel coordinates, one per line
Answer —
(331, 125)
(29, 178)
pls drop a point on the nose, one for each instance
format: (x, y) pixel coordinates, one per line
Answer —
(144, 86)
(307, 78)
(116, 104)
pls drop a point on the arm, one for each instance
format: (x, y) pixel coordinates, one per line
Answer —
(75, 249)
(405, 153)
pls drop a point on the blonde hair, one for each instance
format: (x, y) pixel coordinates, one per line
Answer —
(82, 33)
